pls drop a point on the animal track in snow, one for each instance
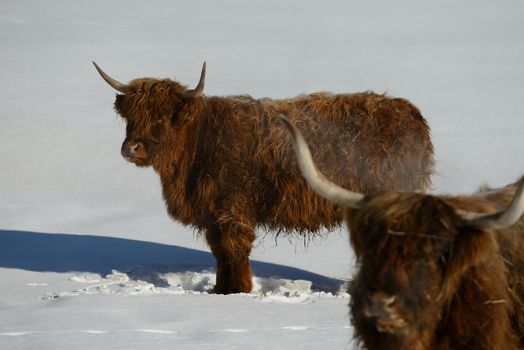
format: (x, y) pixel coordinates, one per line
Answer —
(153, 281)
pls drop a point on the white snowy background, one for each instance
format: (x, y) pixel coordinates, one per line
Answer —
(89, 258)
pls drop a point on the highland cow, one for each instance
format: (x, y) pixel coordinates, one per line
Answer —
(434, 272)
(227, 166)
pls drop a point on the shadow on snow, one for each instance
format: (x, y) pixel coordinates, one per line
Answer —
(54, 252)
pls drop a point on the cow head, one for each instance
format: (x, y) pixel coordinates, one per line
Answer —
(412, 250)
(151, 109)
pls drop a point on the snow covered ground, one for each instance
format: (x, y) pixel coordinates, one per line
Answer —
(89, 258)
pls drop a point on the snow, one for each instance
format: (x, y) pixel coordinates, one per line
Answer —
(89, 258)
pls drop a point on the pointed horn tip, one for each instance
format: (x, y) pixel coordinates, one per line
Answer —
(501, 219)
(285, 120)
(204, 67)
(283, 117)
(290, 126)
(521, 181)
(98, 68)
(520, 186)
(198, 91)
(96, 65)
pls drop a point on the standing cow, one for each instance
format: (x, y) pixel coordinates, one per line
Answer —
(434, 272)
(226, 166)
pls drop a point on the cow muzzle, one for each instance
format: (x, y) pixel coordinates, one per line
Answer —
(381, 309)
(134, 151)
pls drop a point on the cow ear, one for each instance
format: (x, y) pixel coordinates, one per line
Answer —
(119, 105)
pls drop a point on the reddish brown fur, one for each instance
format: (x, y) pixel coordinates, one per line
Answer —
(227, 166)
(458, 287)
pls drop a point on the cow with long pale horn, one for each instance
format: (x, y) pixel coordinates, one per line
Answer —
(226, 164)
(434, 272)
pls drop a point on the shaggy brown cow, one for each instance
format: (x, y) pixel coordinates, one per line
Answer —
(227, 166)
(434, 272)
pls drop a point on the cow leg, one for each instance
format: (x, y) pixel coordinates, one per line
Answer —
(231, 244)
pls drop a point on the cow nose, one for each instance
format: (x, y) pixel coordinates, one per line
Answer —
(380, 304)
(132, 148)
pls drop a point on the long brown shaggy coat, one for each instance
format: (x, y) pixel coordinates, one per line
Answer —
(456, 287)
(227, 167)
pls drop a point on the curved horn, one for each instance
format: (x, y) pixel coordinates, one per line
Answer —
(501, 219)
(118, 86)
(196, 92)
(314, 177)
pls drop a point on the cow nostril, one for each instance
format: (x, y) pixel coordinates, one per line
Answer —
(382, 301)
(136, 147)
(390, 302)
(133, 149)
